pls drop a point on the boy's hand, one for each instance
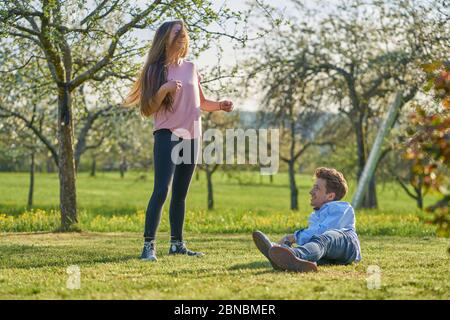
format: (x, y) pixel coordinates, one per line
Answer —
(290, 238)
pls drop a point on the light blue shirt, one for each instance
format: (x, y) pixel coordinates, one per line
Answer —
(332, 215)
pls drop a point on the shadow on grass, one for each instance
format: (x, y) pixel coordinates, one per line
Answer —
(205, 272)
(253, 265)
(26, 256)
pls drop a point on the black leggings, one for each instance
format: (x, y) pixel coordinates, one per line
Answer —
(169, 170)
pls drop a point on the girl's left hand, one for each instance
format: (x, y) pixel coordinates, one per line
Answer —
(226, 105)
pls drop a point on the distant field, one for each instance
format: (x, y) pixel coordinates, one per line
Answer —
(111, 204)
(108, 194)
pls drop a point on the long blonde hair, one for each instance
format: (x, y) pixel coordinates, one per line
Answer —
(154, 73)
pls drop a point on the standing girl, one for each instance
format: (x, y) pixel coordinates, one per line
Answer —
(169, 89)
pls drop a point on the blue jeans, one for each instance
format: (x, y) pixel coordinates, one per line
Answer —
(331, 247)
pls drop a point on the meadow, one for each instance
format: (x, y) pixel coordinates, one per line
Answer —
(413, 262)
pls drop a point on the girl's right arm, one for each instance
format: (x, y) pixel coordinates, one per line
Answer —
(155, 104)
(169, 87)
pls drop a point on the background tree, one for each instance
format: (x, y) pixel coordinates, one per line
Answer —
(428, 146)
(215, 84)
(21, 142)
(366, 66)
(362, 52)
(292, 98)
(217, 121)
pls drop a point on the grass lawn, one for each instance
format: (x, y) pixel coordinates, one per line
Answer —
(107, 194)
(414, 262)
(33, 266)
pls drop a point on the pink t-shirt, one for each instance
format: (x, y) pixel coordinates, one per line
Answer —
(185, 119)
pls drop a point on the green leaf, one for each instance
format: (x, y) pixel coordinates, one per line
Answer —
(431, 67)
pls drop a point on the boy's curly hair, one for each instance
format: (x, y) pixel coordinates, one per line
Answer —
(335, 181)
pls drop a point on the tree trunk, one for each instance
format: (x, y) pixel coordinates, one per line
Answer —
(50, 164)
(123, 167)
(80, 147)
(370, 197)
(419, 193)
(420, 201)
(210, 190)
(93, 166)
(291, 164)
(31, 189)
(77, 157)
(67, 184)
(293, 186)
(360, 146)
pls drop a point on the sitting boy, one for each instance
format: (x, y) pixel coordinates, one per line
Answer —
(330, 237)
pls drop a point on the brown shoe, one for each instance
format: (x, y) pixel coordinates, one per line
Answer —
(285, 259)
(264, 244)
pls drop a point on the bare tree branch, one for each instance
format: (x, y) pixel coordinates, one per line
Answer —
(35, 130)
(404, 187)
(20, 67)
(113, 45)
(94, 12)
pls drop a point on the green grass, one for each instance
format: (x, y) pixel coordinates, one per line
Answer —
(413, 260)
(33, 266)
(226, 221)
(110, 204)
